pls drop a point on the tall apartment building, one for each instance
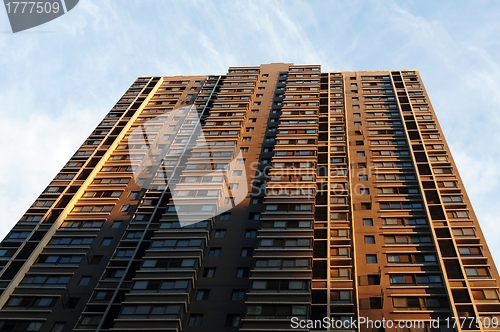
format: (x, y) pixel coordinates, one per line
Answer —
(253, 201)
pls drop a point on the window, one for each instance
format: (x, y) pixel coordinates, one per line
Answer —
(179, 244)
(59, 260)
(369, 239)
(233, 320)
(209, 272)
(46, 280)
(452, 199)
(29, 302)
(214, 252)
(256, 201)
(159, 286)
(371, 259)
(463, 232)
(242, 272)
(58, 327)
(150, 311)
(115, 273)
(18, 235)
(254, 216)
(251, 233)
(400, 206)
(404, 239)
(373, 279)
(169, 264)
(134, 194)
(238, 295)
(246, 252)
(102, 295)
(202, 294)
(85, 280)
(280, 311)
(458, 214)
(363, 177)
(364, 191)
(90, 321)
(357, 115)
(375, 303)
(131, 235)
(124, 253)
(470, 251)
(486, 294)
(367, 222)
(280, 285)
(477, 272)
(360, 153)
(106, 241)
(220, 233)
(366, 206)
(116, 224)
(71, 241)
(195, 320)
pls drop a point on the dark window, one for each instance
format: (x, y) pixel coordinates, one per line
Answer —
(242, 272)
(366, 206)
(246, 252)
(375, 303)
(106, 241)
(84, 281)
(220, 233)
(369, 239)
(195, 320)
(209, 272)
(116, 224)
(58, 327)
(233, 320)
(254, 216)
(251, 233)
(202, 294)
(367, 222)
(373, 279)
(214, 252)
(371, 259)
(238, 295)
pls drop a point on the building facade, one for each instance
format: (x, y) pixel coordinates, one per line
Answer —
(272, 198)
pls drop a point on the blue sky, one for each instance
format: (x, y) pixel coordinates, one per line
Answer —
(58, 80)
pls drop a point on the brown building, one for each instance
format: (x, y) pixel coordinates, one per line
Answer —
(305, 196)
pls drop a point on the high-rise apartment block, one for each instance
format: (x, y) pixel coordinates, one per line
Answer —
(272, 198)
